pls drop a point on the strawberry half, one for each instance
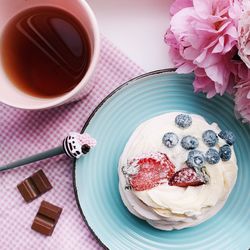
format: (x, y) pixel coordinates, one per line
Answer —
(153, 169)
(187, 177)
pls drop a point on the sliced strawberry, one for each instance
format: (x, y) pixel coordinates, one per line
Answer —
(187, 177)
(153, 169)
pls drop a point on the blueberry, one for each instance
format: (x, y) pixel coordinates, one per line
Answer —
(212, 156)
(228, 136)
(170, 140)
(195, 159)
(225, 153)
(183, 120)
(210, 138)
(189, 142)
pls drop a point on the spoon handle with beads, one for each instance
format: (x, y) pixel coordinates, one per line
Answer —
(74, 146)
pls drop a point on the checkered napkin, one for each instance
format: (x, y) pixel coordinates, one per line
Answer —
(23, 133)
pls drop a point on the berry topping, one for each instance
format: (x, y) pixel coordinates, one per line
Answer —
(152, 170)
(195, 159)
(187, 177)
(212, 156)
(225, 153)
(210, 138)
(189, 142)
(228, 136)
(183, 120)
(170, 140)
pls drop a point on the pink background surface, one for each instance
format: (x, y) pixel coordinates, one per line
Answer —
(23, 133)
(138, 29)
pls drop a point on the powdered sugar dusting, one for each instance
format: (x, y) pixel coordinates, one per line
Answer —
(148, 170)
(187, 177)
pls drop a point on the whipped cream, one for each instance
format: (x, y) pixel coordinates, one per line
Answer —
(172, 207)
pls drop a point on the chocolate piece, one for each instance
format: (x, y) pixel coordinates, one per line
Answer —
(46, 218)
(41, 181)
(34, 186)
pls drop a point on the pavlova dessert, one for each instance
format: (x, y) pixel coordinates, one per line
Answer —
(177, 170)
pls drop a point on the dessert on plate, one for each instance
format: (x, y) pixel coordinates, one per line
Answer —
(177, 170)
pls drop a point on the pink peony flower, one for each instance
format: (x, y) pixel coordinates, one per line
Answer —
(242, 100)
(244, 34)
(203, 38)
(241, 71)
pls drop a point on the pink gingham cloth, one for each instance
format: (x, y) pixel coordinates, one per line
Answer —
(23, 133)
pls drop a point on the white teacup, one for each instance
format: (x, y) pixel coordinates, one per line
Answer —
(13, 96)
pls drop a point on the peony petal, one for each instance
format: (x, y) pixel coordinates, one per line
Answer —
(180, 22)
(221, 7)
(220, 45)
(247, 48)
(242, 100)
(185, 68)
(201, 57)
(211, 93)
(219, 73)
(223, 26)
(244, 58)
(199, 72)
(210, 59)
(190, 53)
(179, 5)
(236, 9)
(232, 31)
(204, 84)
(170, 39)
(176, 57)
(203, 8)
(220, 88)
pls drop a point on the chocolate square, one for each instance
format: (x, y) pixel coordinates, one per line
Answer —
(46, 218)
(34, 186)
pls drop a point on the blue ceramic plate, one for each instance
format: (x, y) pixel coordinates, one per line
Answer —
(96, 178)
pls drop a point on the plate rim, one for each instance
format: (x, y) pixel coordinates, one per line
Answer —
(105, 99)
